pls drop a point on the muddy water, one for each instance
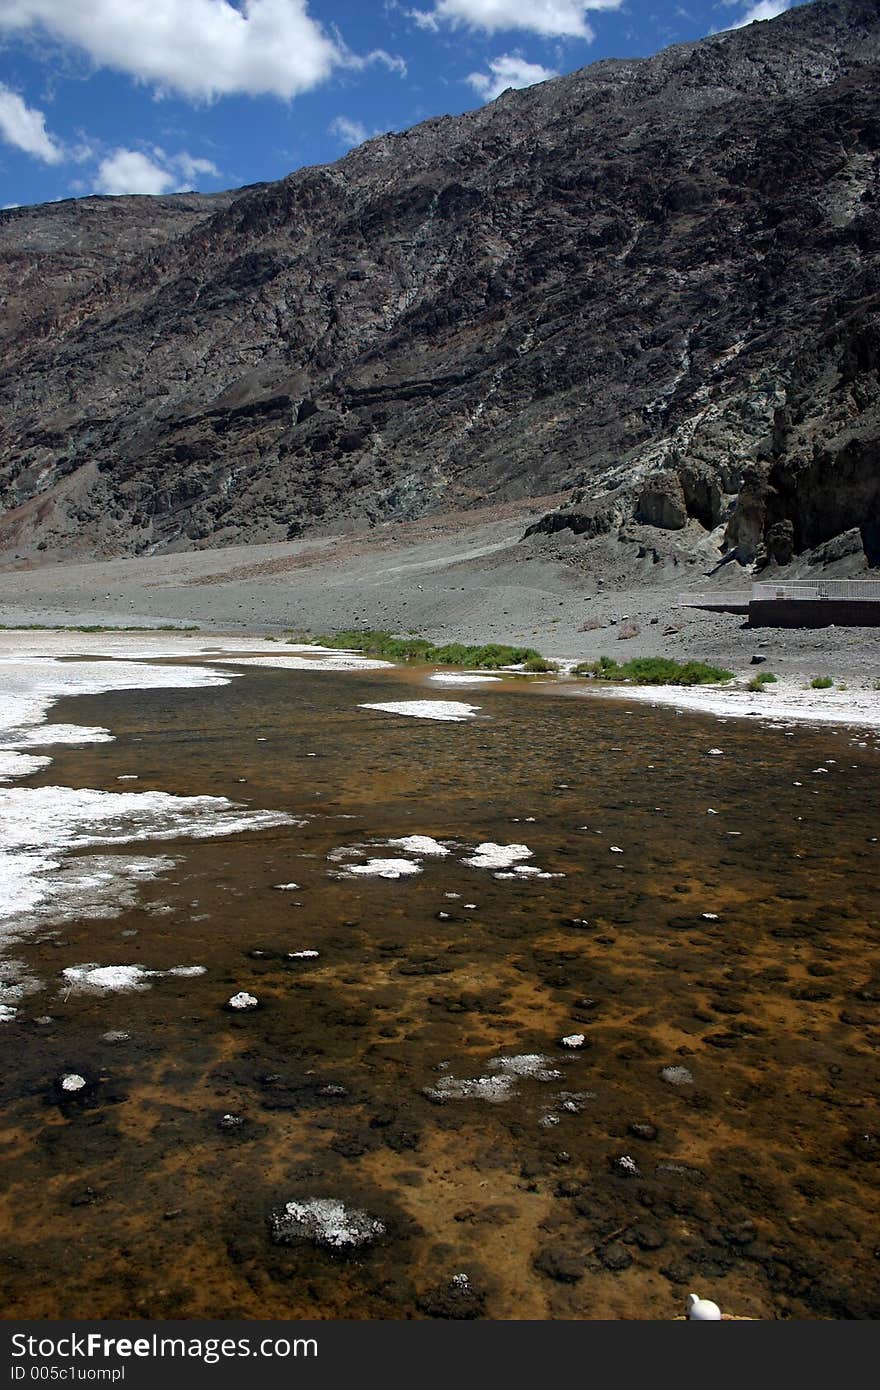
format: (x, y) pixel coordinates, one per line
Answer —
(752, 1181)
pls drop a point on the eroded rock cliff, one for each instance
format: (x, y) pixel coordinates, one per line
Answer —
(652, 285)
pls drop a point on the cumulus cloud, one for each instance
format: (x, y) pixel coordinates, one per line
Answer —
(201, 49)
(508, 70)
(765, 9)
(348, 132)
(558, 19)
(25, 127)
(133, 171)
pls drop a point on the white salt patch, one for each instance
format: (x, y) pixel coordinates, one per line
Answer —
(574, 1040)
(14, 765)
(7, 1014)
(493, 1089)
(119, 979)
(30, 685)
(461, 678)
(302, 955)
(243, 1000)
(326, 1222)
(530, 1064)
(31, 818)
(286, 887)
(73, 1082)
(615, 849)
(491, 856)
(333, 661)
(384, 868)
(46, 734)
(16, 981)
(418, 844)
(451, 711)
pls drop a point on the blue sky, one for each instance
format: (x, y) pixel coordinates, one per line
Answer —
(155, 96)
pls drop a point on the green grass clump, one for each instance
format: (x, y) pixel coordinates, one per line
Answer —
(489, 656)
(821, 683)
(654, 670)
(760, 680)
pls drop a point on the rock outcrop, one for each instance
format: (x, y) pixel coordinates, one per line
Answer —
(651, 285)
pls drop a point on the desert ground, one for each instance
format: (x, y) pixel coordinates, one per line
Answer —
(469, 577)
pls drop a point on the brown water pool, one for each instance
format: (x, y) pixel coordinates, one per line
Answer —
(731, 1059)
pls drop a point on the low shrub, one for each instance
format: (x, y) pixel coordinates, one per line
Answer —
(489, 656)
(760, 680)
(821, 683)
(654, 670)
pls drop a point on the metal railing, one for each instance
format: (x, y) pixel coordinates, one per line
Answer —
(719, 598)
(817, 589)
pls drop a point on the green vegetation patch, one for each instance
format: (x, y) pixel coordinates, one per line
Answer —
(385, 645)
(760, 680)
(94, 627)
(653, 670)
(821, 683)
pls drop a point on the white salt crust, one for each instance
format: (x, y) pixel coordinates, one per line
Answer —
(384, 868)
(327, 1222)
(492, 856)
(498, 1087)
(37, 880)
(462, 678)
(418, 844)
(447, 711)
(120, 979)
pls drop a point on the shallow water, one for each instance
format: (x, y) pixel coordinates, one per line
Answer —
(753, 1183)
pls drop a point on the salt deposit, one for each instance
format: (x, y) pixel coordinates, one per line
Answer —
(418, 844)
(530, 1064)
(450, 711)
(384, 868)
(461, 678)
(120, 979)
(491, 856)
(326, 1222)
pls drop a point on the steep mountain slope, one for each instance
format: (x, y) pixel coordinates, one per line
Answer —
(652, 283)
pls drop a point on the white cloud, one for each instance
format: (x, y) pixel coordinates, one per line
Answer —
(558, 19)
(201, 49)
(132, 171)
(508, 70)
(348, 132)
(25, 128)
(765, 9)
(194, 169)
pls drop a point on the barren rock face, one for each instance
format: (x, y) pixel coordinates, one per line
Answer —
(658, 267)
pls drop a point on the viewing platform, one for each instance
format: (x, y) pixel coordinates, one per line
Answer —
(799, 603)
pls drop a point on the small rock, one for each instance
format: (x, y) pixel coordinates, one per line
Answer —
(242, 1001)
(677, 1076)
(625, 1164)
(643, 1129)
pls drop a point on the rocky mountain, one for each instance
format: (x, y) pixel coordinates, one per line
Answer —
(651, 286)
